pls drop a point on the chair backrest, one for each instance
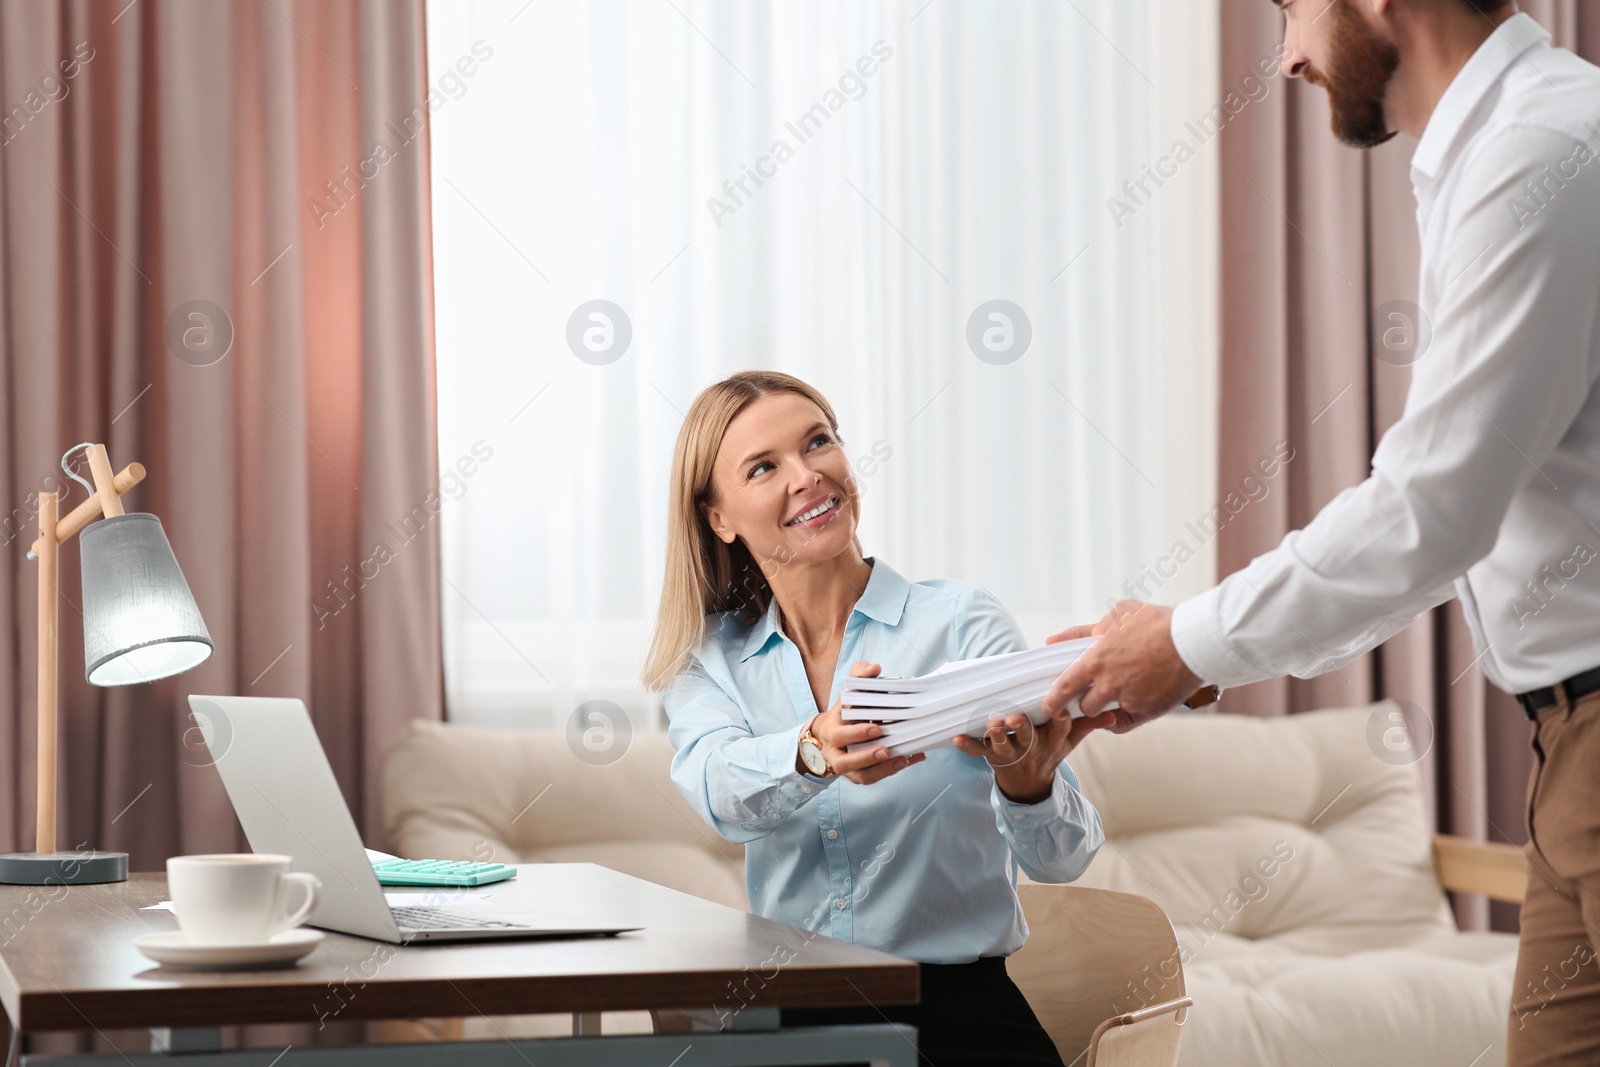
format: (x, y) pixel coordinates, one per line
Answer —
(1094, 956)
(1152, 1040)
(527, 796)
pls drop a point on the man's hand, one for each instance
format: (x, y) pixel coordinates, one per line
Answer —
(1025, 759)
(835, 735)
(1134, 664)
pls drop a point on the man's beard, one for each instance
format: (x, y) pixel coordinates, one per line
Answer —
(1357, 78)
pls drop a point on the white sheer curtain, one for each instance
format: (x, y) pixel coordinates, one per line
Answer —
(916, 160)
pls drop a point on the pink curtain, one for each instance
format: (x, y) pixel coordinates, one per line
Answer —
(1316, 238)
(262, 164)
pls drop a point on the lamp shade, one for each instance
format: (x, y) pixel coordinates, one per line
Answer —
(140, 621)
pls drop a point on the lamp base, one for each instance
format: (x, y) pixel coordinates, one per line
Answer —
(63, 868)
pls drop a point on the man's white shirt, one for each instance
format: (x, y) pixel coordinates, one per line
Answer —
(1488, 487)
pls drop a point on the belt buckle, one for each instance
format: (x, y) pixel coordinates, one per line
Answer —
(1530, 705)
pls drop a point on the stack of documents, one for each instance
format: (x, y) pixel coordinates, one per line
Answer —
(959, 698)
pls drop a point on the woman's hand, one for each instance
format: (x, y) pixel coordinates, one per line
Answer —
(835, 735)
(1026, 758)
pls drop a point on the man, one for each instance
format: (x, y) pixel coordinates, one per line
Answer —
(1487, 488)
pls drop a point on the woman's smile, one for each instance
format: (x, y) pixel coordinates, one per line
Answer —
(817, 515)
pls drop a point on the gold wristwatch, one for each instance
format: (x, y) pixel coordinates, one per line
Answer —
(811, 753)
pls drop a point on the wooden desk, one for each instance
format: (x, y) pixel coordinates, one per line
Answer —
(70, 964)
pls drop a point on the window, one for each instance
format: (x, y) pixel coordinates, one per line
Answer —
(843, 191)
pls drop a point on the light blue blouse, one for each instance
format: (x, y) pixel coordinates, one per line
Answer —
(922, 864)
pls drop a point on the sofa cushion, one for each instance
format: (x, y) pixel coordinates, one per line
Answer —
(524, 796)
(1441, 1000)
(1297, 867)
(1289, 828)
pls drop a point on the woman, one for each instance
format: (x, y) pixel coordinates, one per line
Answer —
(766, 598)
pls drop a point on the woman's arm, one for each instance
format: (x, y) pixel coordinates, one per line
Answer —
(743, 784)
(1055, 838)
(740, 783)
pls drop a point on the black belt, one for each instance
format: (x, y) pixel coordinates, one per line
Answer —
(1579, 685)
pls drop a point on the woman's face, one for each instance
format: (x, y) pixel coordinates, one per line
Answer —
(783, 485)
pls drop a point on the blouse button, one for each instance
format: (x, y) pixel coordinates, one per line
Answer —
(832, 834)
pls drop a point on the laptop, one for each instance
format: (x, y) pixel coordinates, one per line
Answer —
(288, 802)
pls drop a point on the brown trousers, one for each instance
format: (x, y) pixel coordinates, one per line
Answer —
(1555, 999)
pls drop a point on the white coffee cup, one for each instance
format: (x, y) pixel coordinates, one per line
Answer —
(237, 898)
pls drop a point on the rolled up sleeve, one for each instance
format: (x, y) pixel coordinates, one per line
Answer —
(742, 784)
(1056, 839)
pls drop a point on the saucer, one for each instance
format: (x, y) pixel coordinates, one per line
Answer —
(173, 949)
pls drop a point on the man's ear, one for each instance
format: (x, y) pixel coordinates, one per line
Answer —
(714, 518)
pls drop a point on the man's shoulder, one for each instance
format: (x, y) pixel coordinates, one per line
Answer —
(1553, 90)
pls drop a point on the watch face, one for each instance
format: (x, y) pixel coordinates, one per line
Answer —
(811, 756)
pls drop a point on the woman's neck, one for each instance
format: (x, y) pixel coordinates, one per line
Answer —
(815, 599)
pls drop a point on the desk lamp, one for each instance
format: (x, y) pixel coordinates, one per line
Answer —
(140, 624)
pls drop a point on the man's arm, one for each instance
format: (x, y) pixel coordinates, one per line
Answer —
(1510, 366)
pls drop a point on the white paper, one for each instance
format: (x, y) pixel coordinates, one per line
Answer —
(961, 697)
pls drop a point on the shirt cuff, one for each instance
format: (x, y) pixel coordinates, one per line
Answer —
(779, 753)
(1022, 817)
(1204, 648)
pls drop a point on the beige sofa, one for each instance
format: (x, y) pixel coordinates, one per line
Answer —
(1294, 861)
(1298, 868)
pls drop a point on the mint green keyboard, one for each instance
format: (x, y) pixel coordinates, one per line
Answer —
(440, 872)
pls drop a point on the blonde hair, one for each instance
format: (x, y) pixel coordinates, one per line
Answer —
(704, 575)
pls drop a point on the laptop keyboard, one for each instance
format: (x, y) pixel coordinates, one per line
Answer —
(418, 918)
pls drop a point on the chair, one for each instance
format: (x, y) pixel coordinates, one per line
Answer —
(1103, 972)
